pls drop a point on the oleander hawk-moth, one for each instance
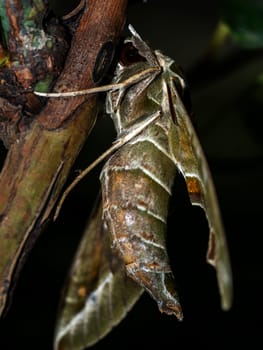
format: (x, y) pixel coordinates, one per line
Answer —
(123, 251)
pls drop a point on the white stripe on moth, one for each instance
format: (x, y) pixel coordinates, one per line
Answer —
(156, 144)
(143, 239)
(146, 172)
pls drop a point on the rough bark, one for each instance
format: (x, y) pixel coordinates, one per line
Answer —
(44, 145)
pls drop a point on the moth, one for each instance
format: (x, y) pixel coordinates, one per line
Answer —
(155, 141)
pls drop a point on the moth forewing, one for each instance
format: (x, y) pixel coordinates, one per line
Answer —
(98, 293)
(193, 165)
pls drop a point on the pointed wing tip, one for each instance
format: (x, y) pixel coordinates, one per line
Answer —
(226, 292)
(172, 307)
(226, 304)
(224, 280)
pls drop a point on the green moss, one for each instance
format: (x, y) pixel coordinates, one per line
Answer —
(4, 22)
(4, 60)
(44, 85)
(49, 44)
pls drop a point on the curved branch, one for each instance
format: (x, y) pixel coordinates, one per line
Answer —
(38, 164)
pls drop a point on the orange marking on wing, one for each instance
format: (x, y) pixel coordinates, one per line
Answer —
(193, 186)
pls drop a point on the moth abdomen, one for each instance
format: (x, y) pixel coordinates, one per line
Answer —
(135, 207)
(138, 238)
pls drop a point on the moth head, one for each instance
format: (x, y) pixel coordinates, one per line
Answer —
(182, 87)
(130, 54)
(176, 79)
(134, 50)
(142, 47)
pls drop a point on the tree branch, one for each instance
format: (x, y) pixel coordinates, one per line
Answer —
(38, 162)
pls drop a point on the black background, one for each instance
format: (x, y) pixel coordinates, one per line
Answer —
(228, 119)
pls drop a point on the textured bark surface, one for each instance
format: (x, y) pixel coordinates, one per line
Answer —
(44, 142)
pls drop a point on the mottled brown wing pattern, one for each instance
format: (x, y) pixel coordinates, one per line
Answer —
(98, 293)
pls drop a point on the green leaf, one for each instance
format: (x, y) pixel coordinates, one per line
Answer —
(245, 20)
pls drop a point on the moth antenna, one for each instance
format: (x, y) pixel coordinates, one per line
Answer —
(103, 88)
(117, 86)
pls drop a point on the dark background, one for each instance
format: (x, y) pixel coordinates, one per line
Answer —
(228, 115)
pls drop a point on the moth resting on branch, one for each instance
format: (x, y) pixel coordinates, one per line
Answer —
(155, 140)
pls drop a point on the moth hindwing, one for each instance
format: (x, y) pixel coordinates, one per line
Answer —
(98, 293)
